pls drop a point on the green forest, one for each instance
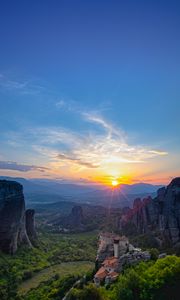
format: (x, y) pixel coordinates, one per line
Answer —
(62, 261)
(154, 280)
(52, 251)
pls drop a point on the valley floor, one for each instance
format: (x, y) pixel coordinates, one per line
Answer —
(57, 259)
(63, 269)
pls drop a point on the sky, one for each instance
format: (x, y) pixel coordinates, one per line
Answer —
(90, 90)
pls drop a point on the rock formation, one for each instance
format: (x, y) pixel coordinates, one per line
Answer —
(74, 221)
(30, 225)
(12, 217)
(161, 214)
(106, 247)
(76, 216)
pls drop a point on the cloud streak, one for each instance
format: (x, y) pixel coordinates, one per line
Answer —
(95, 149)
(29, 87)
(77, 161)
(11, 165)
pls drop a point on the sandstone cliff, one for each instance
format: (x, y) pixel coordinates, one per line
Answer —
(12, 217)
(161, 214)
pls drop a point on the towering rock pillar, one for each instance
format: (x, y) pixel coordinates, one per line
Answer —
(30, 225)
(171, 210)
(158, 215)
(12, 216)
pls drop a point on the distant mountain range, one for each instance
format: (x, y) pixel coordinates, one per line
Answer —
(49, 191)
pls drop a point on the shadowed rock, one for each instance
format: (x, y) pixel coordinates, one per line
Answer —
(76, 216)
(160, 214)
(30, 225)
(74, 221)
(12, 217)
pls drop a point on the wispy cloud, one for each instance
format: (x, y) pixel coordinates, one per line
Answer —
(99, 120)
(75, 107)
(158, 152)
(11, 165)
(78, 161)
(92, 150)
(29, 86)
(86, 149)
(68, 105)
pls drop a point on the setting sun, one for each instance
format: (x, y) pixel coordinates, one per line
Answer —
(115, 182)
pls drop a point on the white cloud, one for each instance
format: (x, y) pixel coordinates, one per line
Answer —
(60, 103)
(88, 149)
(93, 150)
(67, 105)
(22, 86)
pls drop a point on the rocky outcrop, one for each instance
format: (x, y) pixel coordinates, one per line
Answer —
(30, 225)
(111, 244)
(74, 221)
(12, 217)
(161, 214)
(76, 217)
(169, 217)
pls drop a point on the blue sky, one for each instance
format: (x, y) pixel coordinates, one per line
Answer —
(84, 80)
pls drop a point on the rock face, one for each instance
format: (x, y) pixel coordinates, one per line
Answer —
(76, 217)
(12, 217)
(74, 221)
(30, 225)
(106, 247)
(160, 214)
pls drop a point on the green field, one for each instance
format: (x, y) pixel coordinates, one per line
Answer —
(69, 268)
(55, 254)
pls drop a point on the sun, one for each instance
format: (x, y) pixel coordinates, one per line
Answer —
(114, 182)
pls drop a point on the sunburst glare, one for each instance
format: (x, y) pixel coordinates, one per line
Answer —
(114, 182)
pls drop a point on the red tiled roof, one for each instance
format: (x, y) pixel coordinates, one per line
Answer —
(113, 274)
(110, 262)
(101, 273)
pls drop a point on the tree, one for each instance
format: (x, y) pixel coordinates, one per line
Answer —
(154, 253)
